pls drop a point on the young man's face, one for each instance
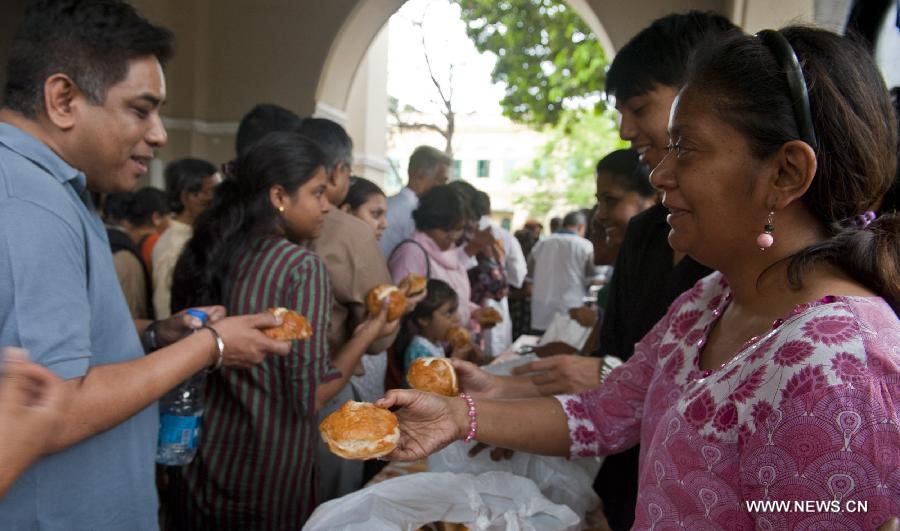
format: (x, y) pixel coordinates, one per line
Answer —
(644, 119)
(114, 142)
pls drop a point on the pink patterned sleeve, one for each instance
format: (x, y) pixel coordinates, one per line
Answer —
(607, 419)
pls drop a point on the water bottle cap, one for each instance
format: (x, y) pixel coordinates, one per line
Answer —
(199, 314)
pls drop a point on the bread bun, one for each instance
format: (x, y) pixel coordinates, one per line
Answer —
(490, 315)
(458, 337)
(413, 284)
(434, 375)
(396, 301)
(360, 430)
(293, 326)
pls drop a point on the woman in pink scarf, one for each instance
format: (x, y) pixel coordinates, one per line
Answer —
(432, 251)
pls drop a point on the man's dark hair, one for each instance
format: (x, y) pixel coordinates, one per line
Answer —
(91, 41)
(263, 119)
(331, 138)
(659, 54)
(482, 203)
(185, 175)
(136, 208)
(574, 219)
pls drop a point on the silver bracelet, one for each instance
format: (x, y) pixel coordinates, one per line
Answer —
(220, 347)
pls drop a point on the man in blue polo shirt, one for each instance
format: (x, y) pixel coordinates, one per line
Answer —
(81, 114)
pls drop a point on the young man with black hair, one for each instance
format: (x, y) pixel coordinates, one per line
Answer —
(81, 115)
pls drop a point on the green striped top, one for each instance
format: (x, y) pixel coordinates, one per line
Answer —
(255, 465)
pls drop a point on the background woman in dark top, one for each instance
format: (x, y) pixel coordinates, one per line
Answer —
(255, 465)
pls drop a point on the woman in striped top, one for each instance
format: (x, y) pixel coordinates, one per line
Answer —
(255, 466)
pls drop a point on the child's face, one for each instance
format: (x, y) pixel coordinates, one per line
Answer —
(442, 320)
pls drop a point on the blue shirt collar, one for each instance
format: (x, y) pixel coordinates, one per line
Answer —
(39, 153)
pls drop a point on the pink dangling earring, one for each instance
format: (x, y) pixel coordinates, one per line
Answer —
(765, 239)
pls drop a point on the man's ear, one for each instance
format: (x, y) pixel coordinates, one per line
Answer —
(795, 171)
(345, 208)
(60, 93)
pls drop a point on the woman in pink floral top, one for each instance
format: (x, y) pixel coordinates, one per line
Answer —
(777, 379)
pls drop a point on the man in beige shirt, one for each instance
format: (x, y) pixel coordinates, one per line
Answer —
(190, 185)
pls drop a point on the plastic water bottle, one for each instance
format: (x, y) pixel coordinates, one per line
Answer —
(180, 417)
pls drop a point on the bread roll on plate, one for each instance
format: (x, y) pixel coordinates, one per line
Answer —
(360, 430)
(434, 375)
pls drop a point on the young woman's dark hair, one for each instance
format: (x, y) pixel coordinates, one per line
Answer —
(440, 208)
(854, 122)
(136, 208)
(359, 192)
(89, 41)
(659, 54)
(240, 215)
(627, 170)
(185, 175)
(439, 292)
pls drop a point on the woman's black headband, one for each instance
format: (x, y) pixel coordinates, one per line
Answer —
(787, 60)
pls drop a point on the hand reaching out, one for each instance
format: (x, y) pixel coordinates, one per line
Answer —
(585, 316)
(563, 374)
(181, 324)
(473, 380)
(245, 344)
(428, 422)
(32, 406)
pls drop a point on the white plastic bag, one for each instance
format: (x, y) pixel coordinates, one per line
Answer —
(564, 328)
(490, 501)
(560, 480)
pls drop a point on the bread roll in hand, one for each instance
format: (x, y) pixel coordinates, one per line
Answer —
(433, 375)
(391, 295)
(458, 337)
(413, 284)
(360, 430)
(293, 326)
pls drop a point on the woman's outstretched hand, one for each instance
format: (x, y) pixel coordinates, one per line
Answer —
(428, 422)
(474, 380)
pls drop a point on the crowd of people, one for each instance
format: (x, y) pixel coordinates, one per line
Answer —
(751, 231)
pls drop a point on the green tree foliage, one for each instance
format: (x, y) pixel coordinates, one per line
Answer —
(562, 173)
(547, 57)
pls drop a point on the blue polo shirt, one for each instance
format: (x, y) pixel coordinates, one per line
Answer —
(61, 300)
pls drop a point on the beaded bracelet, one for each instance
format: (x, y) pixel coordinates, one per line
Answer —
(220, 348)
(473, 417)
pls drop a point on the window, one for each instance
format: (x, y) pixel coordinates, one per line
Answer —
(484, 168)
(457, 170)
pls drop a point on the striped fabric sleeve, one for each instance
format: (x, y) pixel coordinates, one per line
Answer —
(310, 292)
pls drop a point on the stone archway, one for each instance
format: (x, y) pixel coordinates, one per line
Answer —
(360, 28)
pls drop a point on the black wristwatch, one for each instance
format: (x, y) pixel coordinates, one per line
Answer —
(148, 338)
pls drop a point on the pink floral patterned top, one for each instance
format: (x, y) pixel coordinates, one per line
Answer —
(807, 413)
